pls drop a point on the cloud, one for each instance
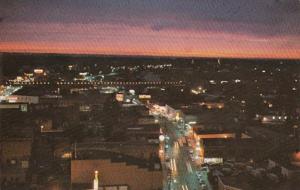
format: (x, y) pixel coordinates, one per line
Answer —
(184, 13)
(281, 15)
(158, 25)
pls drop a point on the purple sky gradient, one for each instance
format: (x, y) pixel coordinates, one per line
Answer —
(221, 28)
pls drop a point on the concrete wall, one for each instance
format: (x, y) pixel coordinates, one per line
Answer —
(82, 171)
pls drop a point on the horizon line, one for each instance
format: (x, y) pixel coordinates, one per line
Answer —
(151, 56)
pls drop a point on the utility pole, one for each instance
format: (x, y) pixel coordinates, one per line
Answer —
(75, 150)
(295, 127)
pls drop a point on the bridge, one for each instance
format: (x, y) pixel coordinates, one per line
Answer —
(95, 83)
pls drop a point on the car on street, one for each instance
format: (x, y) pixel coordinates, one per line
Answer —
(205, 169)
(201, 181)
(203, 186)
(199, 175)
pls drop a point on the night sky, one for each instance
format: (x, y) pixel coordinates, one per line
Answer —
(205, 28)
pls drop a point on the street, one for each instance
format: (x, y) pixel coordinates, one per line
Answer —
(180, 166)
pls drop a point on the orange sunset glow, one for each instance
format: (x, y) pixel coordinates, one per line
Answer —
(121, 31)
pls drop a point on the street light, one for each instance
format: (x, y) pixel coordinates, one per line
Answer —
(96, 182)
(161, 138)
(42, 127)
(295, 129)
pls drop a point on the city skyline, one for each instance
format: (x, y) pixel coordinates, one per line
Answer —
(150, 95)
(159, 124)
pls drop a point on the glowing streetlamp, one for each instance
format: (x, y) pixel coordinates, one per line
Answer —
(42, 127)
(177, 117)
(161, 138)
(96, 182)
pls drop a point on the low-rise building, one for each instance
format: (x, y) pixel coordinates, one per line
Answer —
(113, 171)
(148, 132)
(15, 154)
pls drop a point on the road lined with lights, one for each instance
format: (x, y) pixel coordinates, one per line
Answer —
(103, 83)
(7, 91)
(187, 150)
(182, 171)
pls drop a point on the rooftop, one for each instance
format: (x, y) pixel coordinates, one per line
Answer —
(118, 157)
